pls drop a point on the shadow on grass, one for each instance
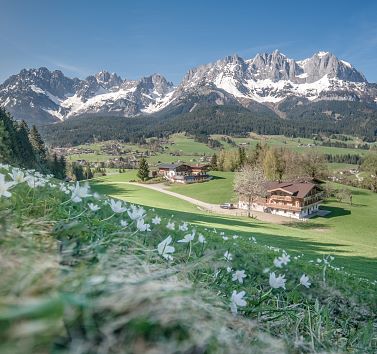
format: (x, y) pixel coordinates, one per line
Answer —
(334, 212)
(280, 236)
(216, 177)
(306, 225)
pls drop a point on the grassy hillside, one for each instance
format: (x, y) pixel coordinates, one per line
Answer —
(119, 278)
(349, 232)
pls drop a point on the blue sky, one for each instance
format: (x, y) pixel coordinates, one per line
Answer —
(138, 38)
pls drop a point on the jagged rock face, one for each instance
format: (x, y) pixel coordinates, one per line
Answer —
(271, 78)
(42, 96)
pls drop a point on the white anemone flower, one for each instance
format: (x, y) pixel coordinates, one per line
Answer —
(201, 239)
(17, 175)
(225, 238)
(183, 227)
(285, 259)
(278, 263)
(304, 280)
(4, 186)
(188, 238)
(80, 192)
(170, 225)
(142, 226)
(34, 182)
(94, 207)
(136, 213)
(165, 250)
(277, 281)
(156, 220)
(239, 276)
(116, 206)
(123, 223)
(237, 300)
(228, 256)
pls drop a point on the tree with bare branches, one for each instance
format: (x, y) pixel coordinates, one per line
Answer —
(250, 182)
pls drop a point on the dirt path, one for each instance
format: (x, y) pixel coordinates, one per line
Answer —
(214, 208)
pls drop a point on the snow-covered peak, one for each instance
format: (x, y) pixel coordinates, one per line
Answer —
(267, 78)
(322, 54)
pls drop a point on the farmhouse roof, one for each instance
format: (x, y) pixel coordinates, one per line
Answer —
(297, 189)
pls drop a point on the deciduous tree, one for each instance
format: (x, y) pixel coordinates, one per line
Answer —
(250, 183)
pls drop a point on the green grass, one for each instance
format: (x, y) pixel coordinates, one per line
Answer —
(77, 281)
(190, 150)
(349, 232)
(218, 190)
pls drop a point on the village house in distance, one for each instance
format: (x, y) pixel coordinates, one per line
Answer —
(298, 200)
(183, 173)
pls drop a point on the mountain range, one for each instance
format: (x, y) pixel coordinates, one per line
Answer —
(269, 82)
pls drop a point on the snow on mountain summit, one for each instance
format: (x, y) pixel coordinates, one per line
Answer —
(267, 78)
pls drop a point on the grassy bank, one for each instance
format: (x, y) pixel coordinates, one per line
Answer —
(123, 279)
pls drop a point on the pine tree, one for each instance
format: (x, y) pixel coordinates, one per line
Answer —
(214, 162)
(5, 152)
(55, 167)
(26, 151)
(38, 146)
(88, 172)
(143, 172)
(11, 138)
(62, 167)
(242, 156)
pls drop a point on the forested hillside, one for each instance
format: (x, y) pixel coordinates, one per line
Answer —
(231, 120)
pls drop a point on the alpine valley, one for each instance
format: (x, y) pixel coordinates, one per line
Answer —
(268, 87)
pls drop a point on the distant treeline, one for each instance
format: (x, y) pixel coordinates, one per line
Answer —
(204, 121)
(353, 159)
(340, 144)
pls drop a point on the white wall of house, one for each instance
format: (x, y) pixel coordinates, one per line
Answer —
(307, 212)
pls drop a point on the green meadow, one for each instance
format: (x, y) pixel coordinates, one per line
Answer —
(183, 148)
(348, 232)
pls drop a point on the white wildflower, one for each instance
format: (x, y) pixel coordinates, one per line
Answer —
(116, 206)
(142, 226)
(237, 300)
(183, 227)
(304, 280)
(164, 249)
(80, 192)
(285, 259)
(156, 220)
(201, 239)
(188, 238)
(123, 223)
(135, 212)
(4, 186)
(239, 275)
(170, 225)
(17, 175)
(228, 256)
(94, 207)
(277, 282)
(277, 263)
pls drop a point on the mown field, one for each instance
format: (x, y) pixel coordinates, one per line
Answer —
(349, 232)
